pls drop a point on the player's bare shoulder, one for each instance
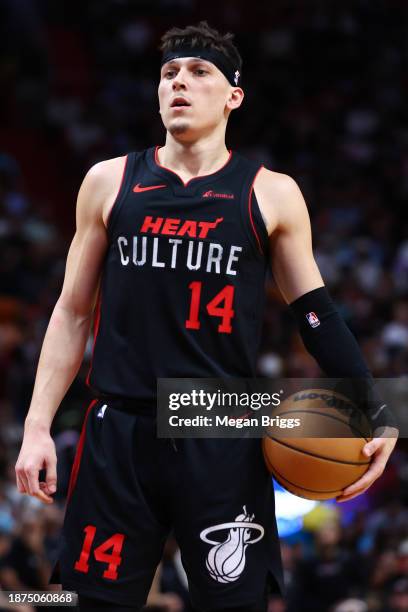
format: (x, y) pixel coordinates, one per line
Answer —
(279, 198)
(101, 186)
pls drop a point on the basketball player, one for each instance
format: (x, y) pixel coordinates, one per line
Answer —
(172, 245)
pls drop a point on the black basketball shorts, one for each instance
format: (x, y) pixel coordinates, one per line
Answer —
(129, 490)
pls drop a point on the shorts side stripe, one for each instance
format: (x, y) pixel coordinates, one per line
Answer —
(78, 454)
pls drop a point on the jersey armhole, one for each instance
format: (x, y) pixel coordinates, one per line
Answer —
(256, 221)
(122, 193)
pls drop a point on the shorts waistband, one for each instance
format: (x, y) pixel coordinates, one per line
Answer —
(129, 405)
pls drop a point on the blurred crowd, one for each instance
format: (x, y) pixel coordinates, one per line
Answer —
(325, 103)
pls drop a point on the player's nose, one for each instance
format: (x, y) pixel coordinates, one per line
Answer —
(179, 81)
(179, 85)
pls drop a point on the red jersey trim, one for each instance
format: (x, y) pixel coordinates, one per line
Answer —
(119, 190)
(78, 454)
(156, 159)
(97, 321)
(250, 211)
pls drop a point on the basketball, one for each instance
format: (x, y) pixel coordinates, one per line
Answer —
(318, 467)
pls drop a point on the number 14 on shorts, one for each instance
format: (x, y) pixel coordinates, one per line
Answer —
(113, 559)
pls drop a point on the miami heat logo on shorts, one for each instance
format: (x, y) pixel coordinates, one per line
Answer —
(226, 560)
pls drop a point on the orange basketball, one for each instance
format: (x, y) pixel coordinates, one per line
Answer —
(318, 467)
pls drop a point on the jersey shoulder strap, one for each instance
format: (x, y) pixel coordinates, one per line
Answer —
(132, 159)
(251, 214)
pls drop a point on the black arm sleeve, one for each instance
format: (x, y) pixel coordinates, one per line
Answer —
(328, 339)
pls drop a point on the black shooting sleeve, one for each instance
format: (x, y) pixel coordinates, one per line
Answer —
(328, 339)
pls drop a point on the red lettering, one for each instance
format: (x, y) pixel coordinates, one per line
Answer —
(192, 321)
(205, 226)
(226, 312)
(153, 226)
(214, 307)
(170, 226)
(112, 560)
(189, 228)
(82, 564)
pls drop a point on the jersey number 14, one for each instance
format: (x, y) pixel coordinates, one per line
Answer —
(219, 306)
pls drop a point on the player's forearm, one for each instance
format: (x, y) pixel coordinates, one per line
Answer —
(61, 356)
(329, 340)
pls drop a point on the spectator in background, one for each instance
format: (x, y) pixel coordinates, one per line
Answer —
(395, 333)
(351, 605)
(328, 575)
(25, 563)
(397, 600)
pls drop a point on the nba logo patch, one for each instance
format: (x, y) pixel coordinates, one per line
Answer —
(313, 319)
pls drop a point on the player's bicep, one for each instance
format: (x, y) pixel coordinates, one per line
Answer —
(87, 251)
(292, 261)
(82, 273)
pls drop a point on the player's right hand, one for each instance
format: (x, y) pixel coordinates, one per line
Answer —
(37, 453)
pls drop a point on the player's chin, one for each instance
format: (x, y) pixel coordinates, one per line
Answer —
(179, 127)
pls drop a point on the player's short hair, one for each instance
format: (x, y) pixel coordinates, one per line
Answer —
(201, 36)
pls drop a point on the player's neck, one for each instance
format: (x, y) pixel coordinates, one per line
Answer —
(193, 158)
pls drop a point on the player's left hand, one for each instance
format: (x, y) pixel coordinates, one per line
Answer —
(379, 449)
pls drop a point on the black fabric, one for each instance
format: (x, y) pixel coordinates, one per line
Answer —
(135, 486)
(329, 340)
(176, 247)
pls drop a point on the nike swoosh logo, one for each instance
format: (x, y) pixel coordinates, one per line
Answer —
(375, 415)
(139, 189)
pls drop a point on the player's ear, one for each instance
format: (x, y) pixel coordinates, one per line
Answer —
(235, 98)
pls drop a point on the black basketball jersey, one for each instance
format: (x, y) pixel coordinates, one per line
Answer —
(183, 280)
